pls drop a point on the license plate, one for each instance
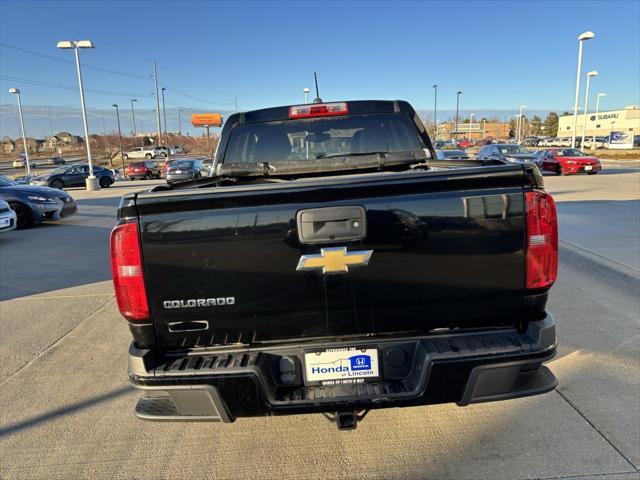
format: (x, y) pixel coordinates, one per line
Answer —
(588, 167)
(341, 365)
(178, 171)
(4, 222)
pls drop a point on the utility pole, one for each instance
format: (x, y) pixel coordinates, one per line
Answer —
(155, 78)
(180, 120)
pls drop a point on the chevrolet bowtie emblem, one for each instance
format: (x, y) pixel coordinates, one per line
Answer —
(334, 260)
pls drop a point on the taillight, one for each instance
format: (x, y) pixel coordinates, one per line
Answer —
(542, 240)
(126, 268)
(318, 110)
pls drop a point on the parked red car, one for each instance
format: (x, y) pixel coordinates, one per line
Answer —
(464, 143)
(566, 161)
(147, 169)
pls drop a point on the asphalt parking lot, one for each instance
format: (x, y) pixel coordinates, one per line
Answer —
(67, 405)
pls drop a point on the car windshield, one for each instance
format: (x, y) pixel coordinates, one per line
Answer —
(6, 182)
(182, 164)
(137, 164)
(325, 137)
(454, 153)
(570, 152)
(59, 170)
(512, 149)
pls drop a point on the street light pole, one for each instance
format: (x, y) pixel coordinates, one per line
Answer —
(471, 115)
(581, 38)
(120, 136)
(91, 182)
(306, 91)
(16, 92)
(435, 109)
(155, 78)
(592, 73)
(166, 135)
(520, 123)
(457, 111)
(133, 115)
(180, 120)
(593, 142)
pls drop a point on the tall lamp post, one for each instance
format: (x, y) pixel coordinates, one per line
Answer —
(520, 124)
(457, 110)
(471, 115)
(180, 120)
(16, 92)
(164, 114)
(583, 37)
(133, 116)
(115, 105)
(592, 73)
(91, 182)
(435, 109)
(593, 141)
(306, 91)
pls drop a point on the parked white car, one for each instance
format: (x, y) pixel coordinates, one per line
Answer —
(176, 150)
(8, 219)
(146, 152)
(21, 162)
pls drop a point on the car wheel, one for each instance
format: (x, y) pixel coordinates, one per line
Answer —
(131, 178)
(23, 214)
(105, 182)
(147, 156)
(559, 170)
(125, 156)
(592, 172)
(147, 176)
(57, 183)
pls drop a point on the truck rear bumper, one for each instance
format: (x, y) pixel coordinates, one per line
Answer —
(463, 368)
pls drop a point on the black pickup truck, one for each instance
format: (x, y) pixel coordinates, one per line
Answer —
(331, 264)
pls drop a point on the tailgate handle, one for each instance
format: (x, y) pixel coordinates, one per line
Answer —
(331, 224)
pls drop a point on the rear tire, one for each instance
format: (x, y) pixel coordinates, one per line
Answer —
(105, 182)
(57, 183)
(23, 214)
(559, 170)
(148, 156)
(592, 172)
(131, 178)
(125, 156)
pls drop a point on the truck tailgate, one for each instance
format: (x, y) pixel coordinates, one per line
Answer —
(447, 251)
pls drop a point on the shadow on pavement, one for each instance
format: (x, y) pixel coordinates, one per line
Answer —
(37, 420)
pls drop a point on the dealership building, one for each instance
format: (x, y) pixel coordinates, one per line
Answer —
(626, 120)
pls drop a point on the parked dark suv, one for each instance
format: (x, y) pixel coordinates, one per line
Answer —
(144, 170)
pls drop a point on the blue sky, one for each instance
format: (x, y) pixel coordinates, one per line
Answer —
(500, 54)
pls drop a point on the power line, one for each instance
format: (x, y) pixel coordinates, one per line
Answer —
(201, 100)
(72, 88)
(84, 65)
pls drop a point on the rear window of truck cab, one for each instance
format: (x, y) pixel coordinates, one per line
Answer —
(323, 137)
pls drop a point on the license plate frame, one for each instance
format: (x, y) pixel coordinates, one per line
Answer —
(588, 168)
(336, 366)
